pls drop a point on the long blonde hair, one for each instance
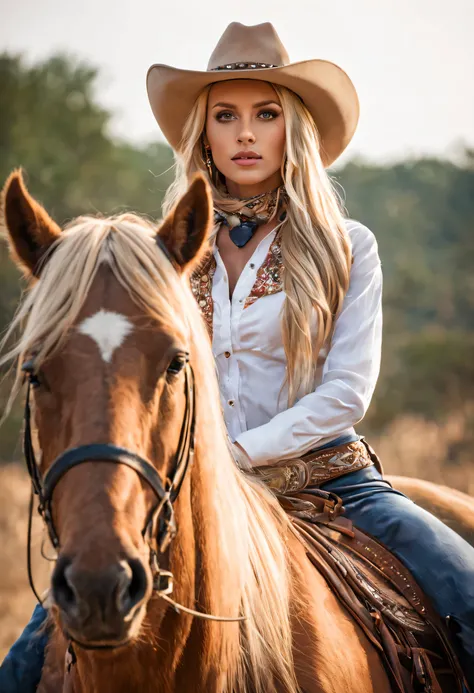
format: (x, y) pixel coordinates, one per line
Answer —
(315, 246)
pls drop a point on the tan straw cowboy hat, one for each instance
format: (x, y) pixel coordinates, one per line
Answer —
(256, 52)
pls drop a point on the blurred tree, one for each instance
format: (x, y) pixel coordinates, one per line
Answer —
(432, 374)
(51, 124)
(422, 213)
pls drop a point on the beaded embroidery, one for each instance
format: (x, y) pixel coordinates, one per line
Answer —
(201, 286)
(269, 276)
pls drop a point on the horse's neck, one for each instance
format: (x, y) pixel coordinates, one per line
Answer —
(150, 668)
(138, 668)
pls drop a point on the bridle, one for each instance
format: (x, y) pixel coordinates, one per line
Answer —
(160, 527)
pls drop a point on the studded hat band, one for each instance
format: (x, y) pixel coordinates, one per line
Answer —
(243, 66)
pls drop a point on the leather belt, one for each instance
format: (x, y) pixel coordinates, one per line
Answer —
(318, 467)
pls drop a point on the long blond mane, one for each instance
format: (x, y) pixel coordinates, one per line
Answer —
(241, 527)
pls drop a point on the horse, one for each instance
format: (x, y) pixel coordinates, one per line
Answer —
(453, 507)
(175, 571)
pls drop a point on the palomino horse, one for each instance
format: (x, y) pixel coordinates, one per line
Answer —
(118, 357)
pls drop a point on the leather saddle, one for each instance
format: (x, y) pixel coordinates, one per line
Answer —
(380, 594)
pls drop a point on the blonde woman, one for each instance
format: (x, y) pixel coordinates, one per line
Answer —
(291, 293)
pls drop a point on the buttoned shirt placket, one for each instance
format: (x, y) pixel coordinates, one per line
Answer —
(226, 324)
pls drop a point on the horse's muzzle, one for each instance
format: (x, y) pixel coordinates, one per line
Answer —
(98, 607)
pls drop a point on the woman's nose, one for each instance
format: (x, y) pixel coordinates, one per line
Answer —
(246, 136)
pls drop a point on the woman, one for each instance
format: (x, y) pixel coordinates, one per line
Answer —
(291, 293)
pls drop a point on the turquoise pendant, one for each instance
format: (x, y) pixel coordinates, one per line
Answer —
(240, 235)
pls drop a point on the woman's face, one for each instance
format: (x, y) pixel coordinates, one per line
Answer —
(245, 129)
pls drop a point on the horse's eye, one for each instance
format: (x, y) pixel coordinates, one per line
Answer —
(176, 365)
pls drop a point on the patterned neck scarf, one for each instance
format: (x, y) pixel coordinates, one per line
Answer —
(244, 216)
(259, 209)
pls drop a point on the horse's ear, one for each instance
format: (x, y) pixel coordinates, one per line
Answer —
(30, 230)
(185, 230)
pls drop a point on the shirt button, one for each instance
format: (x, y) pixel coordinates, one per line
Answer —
(252, 266)
(227, 354)
(231, 403)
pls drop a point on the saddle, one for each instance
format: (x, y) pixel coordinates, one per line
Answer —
(371, 583)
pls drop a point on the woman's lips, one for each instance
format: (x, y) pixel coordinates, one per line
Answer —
(246, 157)
(246, 162)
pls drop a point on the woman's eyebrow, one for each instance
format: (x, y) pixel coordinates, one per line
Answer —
(266, 103)
(221, 104)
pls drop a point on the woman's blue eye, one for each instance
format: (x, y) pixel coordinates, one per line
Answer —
(272, 114)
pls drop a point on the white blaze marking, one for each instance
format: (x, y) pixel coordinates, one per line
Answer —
(108, 330)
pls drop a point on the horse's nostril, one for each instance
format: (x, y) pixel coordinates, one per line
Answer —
(63, 591)
(132, 585)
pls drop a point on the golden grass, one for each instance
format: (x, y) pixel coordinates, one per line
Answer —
(409, 447)
(442, 454)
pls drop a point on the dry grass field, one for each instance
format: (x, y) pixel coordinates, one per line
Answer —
(417, 448)
(410, 447)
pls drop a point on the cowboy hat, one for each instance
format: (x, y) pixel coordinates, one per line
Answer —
(256, 52)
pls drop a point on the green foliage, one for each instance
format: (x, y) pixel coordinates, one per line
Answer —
(431, 374)
(51, 125)
(422, 213)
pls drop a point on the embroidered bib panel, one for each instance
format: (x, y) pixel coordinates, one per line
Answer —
(269, 280)
(201, 286)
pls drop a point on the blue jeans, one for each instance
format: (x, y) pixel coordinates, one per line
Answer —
(441, 562)
(21, 669)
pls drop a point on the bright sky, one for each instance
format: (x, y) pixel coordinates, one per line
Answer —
(412, 61)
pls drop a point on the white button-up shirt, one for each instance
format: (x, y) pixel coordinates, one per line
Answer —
(248, 349)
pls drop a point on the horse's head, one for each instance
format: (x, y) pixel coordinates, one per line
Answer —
(106, 345)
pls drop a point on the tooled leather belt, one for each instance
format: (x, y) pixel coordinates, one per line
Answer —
(316, 468)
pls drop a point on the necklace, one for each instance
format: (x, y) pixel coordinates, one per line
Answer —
(244, 216)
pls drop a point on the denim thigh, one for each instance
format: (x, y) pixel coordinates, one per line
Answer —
(20, 671)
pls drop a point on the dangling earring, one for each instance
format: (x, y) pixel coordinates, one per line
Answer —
(208, 160)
